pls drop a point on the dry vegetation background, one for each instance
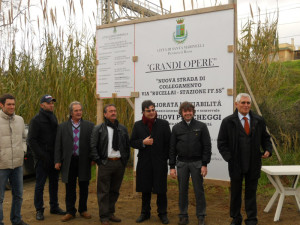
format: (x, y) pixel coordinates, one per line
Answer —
(61, 61)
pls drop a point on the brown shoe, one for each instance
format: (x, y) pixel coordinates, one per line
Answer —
(67, 217)
(113, 218)
(104, 222)
(86, 215)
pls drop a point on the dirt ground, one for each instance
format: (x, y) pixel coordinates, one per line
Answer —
(129, 203)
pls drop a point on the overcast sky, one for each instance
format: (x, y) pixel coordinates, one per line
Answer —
(288, 24)
(289, 13)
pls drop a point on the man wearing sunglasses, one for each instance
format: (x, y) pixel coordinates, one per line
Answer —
(240, 137)
(151, 136)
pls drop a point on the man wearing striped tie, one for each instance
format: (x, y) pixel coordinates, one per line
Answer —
(240, 137)
(72, 150)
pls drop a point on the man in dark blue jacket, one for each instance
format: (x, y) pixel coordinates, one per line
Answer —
(240, 137)
(190, 151)
(41, 140)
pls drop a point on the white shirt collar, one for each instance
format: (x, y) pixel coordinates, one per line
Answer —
(242, 116)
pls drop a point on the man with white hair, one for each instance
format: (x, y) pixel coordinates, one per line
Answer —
(71, 157)
(240, 139)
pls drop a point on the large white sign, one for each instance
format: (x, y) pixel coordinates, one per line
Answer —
(115, 70)
(187, 59)
(184, 58)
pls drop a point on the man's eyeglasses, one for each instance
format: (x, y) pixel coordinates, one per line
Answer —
(149, 110)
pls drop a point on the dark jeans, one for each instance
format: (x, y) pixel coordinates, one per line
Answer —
(71, 189)
(15, 177)
(109, 181)
(41, 177)
(161, 203)
(250, 199)
(184, 171)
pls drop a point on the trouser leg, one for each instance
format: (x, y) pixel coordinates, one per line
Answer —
(115, 185)
(16, 182)
(250, 200)
(197, 179)
(71, 186)
(53, 188)
(103, 186)
(236, 198)
(4, 173)
(183, 175)
(146, 201)
(41, 176)
(83, 196)
(162, 204)
(71, 196)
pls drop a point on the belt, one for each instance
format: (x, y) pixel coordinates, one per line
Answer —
(113, 159)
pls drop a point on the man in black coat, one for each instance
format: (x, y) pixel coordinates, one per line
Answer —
(151, 136)
(41, 140)
(190, 151)
(72, 151)
(111, 151)
(240, 139)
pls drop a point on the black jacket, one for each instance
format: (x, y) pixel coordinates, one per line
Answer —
(190, 143)
(152, 165)
(64, 149)
(228, 139)
(99, 144)
(41, 137)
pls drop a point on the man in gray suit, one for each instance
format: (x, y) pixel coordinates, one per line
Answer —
(72, 150)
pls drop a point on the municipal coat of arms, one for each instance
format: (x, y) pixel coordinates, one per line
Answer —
(181, 33)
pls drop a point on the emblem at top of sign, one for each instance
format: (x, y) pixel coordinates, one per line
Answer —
(181, 34)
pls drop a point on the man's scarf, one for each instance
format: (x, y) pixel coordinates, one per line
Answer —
(149, 122)
(114, 126)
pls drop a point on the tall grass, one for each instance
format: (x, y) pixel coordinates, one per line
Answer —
(62, 62)
(67, 72)
(274, 84)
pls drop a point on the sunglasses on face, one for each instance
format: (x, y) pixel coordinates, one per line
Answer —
(149, 110)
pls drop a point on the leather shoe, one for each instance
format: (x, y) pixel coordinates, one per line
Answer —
(57, 211)
(236, 222)
(142, 218)
(86, 215)
(183, 221)
(164, 219)
(67, 217)
(40, 215)
(201, 221)
(113, 218)
(21, 223)
(105, 222)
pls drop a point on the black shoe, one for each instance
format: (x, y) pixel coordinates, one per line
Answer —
(57, 211)
(236, 222)
(164, 219)
(252, 222)
(183, 221)
(40, 215)
(142, 218)
(21, 223)
(201, 221)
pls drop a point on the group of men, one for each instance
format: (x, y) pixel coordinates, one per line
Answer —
(73, 146)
